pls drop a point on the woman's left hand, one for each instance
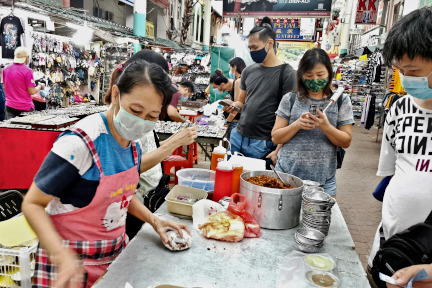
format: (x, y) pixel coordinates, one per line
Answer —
(159, 226)
(321, 121)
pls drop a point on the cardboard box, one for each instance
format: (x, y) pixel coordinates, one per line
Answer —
(180, 206)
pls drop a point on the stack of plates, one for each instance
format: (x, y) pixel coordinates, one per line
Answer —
(316, 207)
(309, 240)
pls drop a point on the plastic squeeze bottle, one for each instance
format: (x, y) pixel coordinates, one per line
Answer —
(223, 180)
(237, 171)
(218, 154)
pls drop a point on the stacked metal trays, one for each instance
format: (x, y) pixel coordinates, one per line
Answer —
(309, 240)
(316, 207)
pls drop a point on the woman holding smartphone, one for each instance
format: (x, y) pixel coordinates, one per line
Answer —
(310, 140)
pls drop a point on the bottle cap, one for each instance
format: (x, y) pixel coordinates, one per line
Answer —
(224, 165)
(220, 149)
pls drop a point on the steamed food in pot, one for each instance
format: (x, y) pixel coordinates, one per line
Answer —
(267, 181)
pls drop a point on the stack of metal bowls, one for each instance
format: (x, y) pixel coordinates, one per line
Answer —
(316, 207)
(309, 240)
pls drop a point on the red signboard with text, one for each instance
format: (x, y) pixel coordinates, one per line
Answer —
(367, 12)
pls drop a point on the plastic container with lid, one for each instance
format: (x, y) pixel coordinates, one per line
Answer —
(197, 178)
(218, 155)
(223, 181)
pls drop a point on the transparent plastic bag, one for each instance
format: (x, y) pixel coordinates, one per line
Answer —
(237, 206)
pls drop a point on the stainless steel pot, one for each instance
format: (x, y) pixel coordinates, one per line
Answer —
(273, 208)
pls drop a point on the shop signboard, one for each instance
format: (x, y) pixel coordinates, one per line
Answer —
(277, 8)
(290, 31)
(296, 45)
(367, 12)
(150, 30)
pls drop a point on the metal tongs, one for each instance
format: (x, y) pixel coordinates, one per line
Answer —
(277, 174)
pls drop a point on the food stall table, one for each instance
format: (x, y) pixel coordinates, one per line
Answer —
(253, 262)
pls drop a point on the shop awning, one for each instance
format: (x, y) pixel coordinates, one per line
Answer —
(168, 43)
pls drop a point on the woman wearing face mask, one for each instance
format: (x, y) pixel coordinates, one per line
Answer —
(220, 84)
(87, 182)
(186, 89)
(310, 140)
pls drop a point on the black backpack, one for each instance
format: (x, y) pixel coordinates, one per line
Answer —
(412, 246)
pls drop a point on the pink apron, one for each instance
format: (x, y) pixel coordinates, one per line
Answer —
(95, 232)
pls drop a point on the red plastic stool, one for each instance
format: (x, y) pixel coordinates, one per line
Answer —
(193, 153)
(177, 162)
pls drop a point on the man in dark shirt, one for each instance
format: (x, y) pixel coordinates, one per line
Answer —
(261, 91)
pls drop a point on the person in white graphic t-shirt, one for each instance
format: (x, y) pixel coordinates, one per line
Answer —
(406, 151)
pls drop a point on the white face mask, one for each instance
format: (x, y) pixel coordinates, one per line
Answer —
(131, 127)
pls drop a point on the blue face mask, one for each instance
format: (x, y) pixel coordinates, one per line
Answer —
(417, 87)
(183, 98)
(260, 55)
(131, 127)
(218, 92)
(231, 75)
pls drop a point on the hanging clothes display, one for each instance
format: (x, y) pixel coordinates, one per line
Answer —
(374, 64)
(395, 84)
(11, 30)
(370, 118)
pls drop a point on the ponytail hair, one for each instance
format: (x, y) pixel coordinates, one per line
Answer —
(265, 31)
(218, 77)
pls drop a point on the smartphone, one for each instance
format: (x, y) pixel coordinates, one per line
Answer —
(224, 103)
(314, 107)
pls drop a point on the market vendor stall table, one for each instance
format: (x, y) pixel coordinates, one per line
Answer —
(209, 263)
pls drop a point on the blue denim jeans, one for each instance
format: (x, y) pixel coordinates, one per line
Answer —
(330, 186)
(249, 147)
(231, 126)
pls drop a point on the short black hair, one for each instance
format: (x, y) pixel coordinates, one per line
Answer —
(310, 59)
(411, 35)
(265, 31)
(218, 77)
(239, 63)
(188, 84)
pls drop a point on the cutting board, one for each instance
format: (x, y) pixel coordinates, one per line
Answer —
(16, 232)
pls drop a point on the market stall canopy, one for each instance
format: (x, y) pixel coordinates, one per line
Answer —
(168, 43)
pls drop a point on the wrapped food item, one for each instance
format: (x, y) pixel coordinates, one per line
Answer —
(223, 226)
(175, 242)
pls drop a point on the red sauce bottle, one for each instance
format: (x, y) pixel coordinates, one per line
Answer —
(223, 180)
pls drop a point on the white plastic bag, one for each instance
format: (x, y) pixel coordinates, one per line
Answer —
(203, 209)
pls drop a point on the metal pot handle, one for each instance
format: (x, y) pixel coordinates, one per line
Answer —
(259, 199)
(280, 202)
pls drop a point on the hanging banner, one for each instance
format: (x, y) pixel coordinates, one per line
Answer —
(291, 31)
(280, 8)
(150, 30)
(367, 12)
(296, 45)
